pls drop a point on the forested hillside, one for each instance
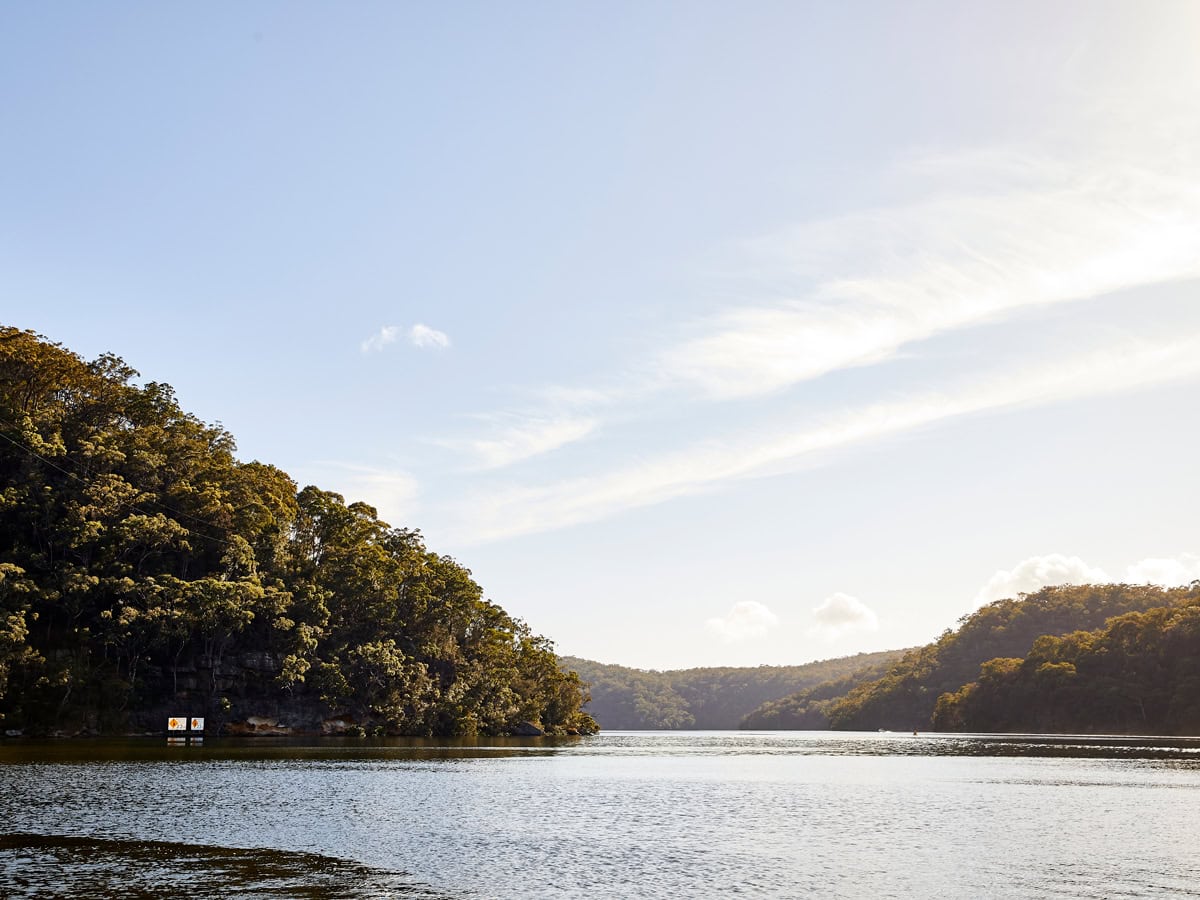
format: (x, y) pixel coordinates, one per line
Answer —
(808, 710)
(902, 694)
(706, 698)
(905, 695)
(145, 569)
(1140, 674)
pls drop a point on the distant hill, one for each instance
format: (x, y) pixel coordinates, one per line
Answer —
(625, 698)
(905, 695)
(808, 710)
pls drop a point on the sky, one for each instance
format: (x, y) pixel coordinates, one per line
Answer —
(702, 333)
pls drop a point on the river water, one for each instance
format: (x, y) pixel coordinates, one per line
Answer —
(635, 814)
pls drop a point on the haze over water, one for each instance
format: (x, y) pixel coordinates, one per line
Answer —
(648, 814)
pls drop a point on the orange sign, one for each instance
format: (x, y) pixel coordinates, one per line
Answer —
(197, 725)
(176, 723)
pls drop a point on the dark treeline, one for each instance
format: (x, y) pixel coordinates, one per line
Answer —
(704, 698)
(1034, 663)
(144, 569)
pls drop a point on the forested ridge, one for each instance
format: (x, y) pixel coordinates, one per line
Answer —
(905, 696)
(808, 709)
(146, 571)
(1139, 674)
(626, 698)
(1090, 658)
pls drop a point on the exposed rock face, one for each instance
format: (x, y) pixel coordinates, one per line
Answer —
(527, 729)
(260, 662)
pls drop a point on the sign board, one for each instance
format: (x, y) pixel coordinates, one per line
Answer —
(197, 724)
(177, 723)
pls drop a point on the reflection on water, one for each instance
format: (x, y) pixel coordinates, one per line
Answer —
(257, 749)
(671, 814)
(618, 743)
(887, 743)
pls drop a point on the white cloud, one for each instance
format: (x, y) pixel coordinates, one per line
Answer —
(747, 619)
(424, 336)
(1037, 572)
(788, 446)
(1168, 572)
(841, 614)
(526, 437)
(376, 342)
(418, 335)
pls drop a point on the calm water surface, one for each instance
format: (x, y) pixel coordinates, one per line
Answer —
(643, 814)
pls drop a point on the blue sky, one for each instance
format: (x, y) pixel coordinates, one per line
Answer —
(702, 333)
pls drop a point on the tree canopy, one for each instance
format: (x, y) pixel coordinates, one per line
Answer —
(144, 568)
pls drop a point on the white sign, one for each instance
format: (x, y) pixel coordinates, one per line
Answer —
(177, 723)
(197, 724)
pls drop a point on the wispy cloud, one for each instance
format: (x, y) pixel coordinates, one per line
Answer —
(1017, 233)
(841, 614)
(868, 284)
(794, 444)
(419, 335)
(746, 619)
(380, 339)
(518, 438)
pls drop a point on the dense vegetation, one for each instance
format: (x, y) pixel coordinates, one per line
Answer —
(144, 569)
(705, 698)
(905, 696)
(808, 710)
(1139, 674)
